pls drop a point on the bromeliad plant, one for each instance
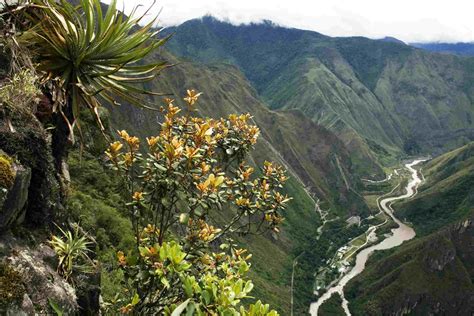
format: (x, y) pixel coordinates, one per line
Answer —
(177, 186)
(88, 57)
(72, 249)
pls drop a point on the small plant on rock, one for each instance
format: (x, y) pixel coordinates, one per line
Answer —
(72, 249)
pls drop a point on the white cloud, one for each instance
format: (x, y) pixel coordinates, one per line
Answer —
(408, 20)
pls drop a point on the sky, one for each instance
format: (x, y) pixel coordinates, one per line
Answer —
(407, 20)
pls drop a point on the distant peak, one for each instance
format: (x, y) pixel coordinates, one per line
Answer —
(211, 19)
(392, 40)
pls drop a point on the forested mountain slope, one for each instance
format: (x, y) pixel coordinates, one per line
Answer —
(378, 95)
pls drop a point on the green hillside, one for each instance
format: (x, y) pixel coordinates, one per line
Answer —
(448, 194)
(368, 92)
(433, 274)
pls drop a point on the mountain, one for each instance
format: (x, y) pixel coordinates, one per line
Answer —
(461, 49)
(381, 98)
(433, 274)
(392, 40)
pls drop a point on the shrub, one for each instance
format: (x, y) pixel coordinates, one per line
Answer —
(193, 168)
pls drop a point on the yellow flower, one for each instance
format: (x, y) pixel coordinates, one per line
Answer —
(137, 196)
(152, 141)
(242, 201)
(174, 149)
(114, 149)
(207, 232)
(172, 110)
(265, 185)
(246, 174)
(128, 159)
(211, 183)
(192, 96)
(214, 182)
(123, 134)
(134, 143)
(253, 132)
(203, 132)
(168, 101)
(280, 199)
(191, 152)
(239, 252)
(204, 167)
(121, 258)
(116, 146)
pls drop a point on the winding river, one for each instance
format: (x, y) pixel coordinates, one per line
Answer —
(399, 235)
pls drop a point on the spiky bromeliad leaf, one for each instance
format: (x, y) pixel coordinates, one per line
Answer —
(92, 57)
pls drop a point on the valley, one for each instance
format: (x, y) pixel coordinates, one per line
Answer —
(397, 236)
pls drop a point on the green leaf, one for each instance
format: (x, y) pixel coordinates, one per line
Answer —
(93, 56)
(135, 300)
(184, 218)
(165, 282)
(178, 310)
(55, 307)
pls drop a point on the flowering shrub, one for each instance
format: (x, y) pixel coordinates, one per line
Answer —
(176, 185)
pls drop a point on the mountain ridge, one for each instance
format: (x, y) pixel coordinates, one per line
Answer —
(374, 76)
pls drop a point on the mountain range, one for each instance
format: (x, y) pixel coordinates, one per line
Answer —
(375, 95)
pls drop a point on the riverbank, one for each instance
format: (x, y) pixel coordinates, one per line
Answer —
(400, 234)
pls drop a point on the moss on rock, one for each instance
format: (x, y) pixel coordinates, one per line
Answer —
(11, 287)
(7, 174)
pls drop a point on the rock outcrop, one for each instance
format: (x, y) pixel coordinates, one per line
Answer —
(13, 203)
(37, 284)
(28, 144)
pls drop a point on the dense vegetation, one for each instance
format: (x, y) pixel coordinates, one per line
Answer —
(332, 306)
